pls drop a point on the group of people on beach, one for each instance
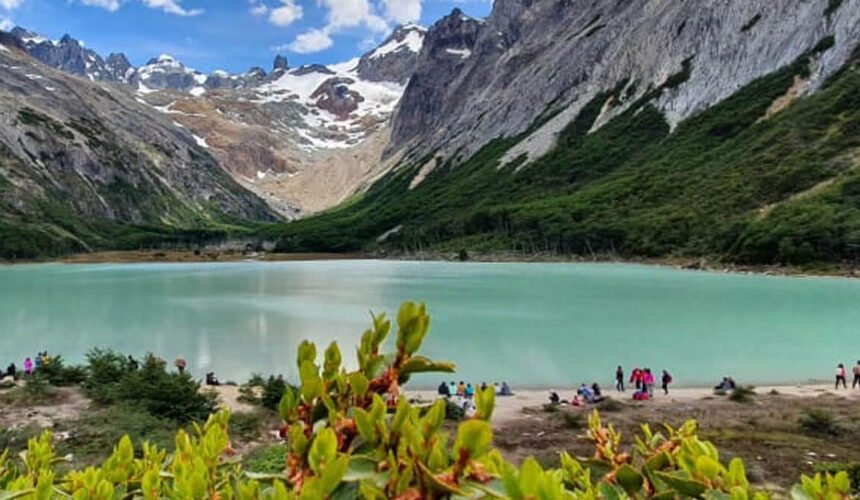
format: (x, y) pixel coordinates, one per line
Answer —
(842, 376)
(643, 380)
(30, 366)
(464, 392)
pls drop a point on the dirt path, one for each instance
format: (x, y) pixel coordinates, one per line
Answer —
(68, 404)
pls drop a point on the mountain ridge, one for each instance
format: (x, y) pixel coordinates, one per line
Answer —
(632, 128)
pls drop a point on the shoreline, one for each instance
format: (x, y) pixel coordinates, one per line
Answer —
(513, 408)
(216, 256)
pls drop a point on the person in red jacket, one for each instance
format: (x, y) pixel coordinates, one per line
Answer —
(636, 377)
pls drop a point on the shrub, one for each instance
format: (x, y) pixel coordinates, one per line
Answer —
(572, 419)
(105, 368)
(818, 421)
(246, 426)
(610, 405)
(60, 375)
(273, 391)
(164, 394)
(742, 394)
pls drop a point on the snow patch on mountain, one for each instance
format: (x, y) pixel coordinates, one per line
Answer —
(413, 41)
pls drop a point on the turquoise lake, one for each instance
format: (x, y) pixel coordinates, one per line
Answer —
(529, 324)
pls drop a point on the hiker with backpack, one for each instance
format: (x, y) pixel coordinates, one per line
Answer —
(667, 379)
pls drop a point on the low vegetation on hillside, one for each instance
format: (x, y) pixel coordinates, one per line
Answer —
(743, 181)
(349, 435)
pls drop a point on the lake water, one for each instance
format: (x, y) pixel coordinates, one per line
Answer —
(529, 324)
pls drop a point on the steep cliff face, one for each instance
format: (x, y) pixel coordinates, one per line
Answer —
(76, 156)
(543, 60)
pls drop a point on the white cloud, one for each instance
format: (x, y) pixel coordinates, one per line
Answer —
(10, 4)
(402, 11)
(311, 41)
(170, 6)
(351, 13)
(259, 10)
(286, 14)
(342, 14)
(6, 24)
(109, 5)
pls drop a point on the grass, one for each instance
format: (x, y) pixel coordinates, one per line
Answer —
(268, 459)
(93, 436)
(725, 184)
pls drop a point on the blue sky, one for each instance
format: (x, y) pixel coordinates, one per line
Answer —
(229, 34)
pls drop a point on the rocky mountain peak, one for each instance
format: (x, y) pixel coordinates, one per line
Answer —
(395, 58)
(281, 63)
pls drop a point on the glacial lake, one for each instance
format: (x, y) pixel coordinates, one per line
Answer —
(530, 324)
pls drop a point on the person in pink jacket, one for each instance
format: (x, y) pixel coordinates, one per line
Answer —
(648, 381)
(28, 366)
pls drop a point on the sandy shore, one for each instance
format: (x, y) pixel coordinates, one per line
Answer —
(510, 408)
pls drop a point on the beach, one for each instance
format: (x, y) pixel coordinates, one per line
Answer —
(511, 408)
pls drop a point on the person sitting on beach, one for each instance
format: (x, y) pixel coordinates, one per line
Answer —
(506, 390)
(211, 379)
(12, 371)
(554, 398)
(443, 390)
(727, 384)
(452, 389)
(461, 389)
(586, 393)
(497, 388)
(596, 389)
(180, 364)
(28, 366)
(470, 391)
(133, 365)
(483, 386)
(38, 361)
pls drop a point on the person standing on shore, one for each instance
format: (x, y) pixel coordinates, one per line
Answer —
(856, 371)
(840, 376)
(28, 367)
(666, 380)
(648, 381)
(619, 379)
(636, 378)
